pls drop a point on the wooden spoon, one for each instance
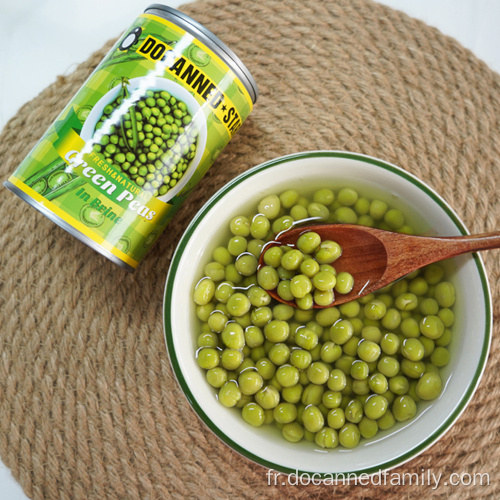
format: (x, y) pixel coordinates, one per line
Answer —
(376, 257)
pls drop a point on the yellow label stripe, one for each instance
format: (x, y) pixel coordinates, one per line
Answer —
(73, 222)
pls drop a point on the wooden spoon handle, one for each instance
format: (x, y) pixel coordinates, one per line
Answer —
(414, 252)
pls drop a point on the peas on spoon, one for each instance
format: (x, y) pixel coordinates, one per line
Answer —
(375, 257)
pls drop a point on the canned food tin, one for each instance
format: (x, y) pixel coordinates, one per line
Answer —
(138, 136)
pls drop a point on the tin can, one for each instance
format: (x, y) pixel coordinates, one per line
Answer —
(138, 136)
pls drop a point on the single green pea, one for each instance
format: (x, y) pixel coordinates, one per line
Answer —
(354, 411)
(216, 377)
(359, 370)
(349, 435)
(324, 280)
(399, 384)
(440, 357)
(233, 336)
(292, 394)
(284, 413)
(231, 359)
(368, 351)
(292, 259)
(431, 327)
(223, 291)
(404, 408)
(336, 418)
(371, 333)
(293, 432)
(350, 309)
(312, 393)
(237, 245)
(258, 297)
(300, 285)
(328, 252)
(378, 383)
(270, 206)
(330, 352)
(368, 428)
(208, 358)
(279, 354)
(429, 386)
(229, 394)
(282, 224)
(412, 369)
(327, 438)
(268, 397)
(250, 382)
(308, 242)
(312, 418)
(378, 209)
(305, 303)
(260, 226)
(222, 255)
(331, 399)
(337, 380)
(309, 267)
(386, 421)
(410, 328)
(394, 218)
(265, 367)
(390, 344)
(277, 330)
(318, 373)
(217, 321)
(272, 256)
(318, 211)
(215, 271)
(306, 338)
(323, 298)
(375, 406)
(287, 375)
(238, 304)
(406, 301)
(240, 226)
(204, 291)
(445, 294)
(392, 319)
(253, 414)
(418, 286)
(388, 366)
(288, 198)
(207, 339)
(345, 282)
(347, 196)
(267, 278)
(299, 212)
(341, 331)
(284, 290)
(412, 349)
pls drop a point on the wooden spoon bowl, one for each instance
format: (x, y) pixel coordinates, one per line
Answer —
(375, 257)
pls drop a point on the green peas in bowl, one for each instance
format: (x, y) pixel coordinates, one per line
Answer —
(355, 389)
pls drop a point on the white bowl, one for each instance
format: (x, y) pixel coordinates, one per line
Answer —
(137, 88)
(469, 348)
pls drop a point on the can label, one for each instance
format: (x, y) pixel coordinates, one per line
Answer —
(137, 137)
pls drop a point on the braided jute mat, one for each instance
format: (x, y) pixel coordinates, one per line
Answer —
(89, 407)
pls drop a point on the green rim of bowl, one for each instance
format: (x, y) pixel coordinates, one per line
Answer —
(445, 426)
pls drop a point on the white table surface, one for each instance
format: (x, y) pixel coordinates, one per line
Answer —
(51, 37)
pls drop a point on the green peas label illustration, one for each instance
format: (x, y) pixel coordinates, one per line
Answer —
(138, 136)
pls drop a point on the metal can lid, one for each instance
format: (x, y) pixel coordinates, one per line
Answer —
(203, 34)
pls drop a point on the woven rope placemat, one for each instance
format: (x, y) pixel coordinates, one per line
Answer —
(89, 407)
